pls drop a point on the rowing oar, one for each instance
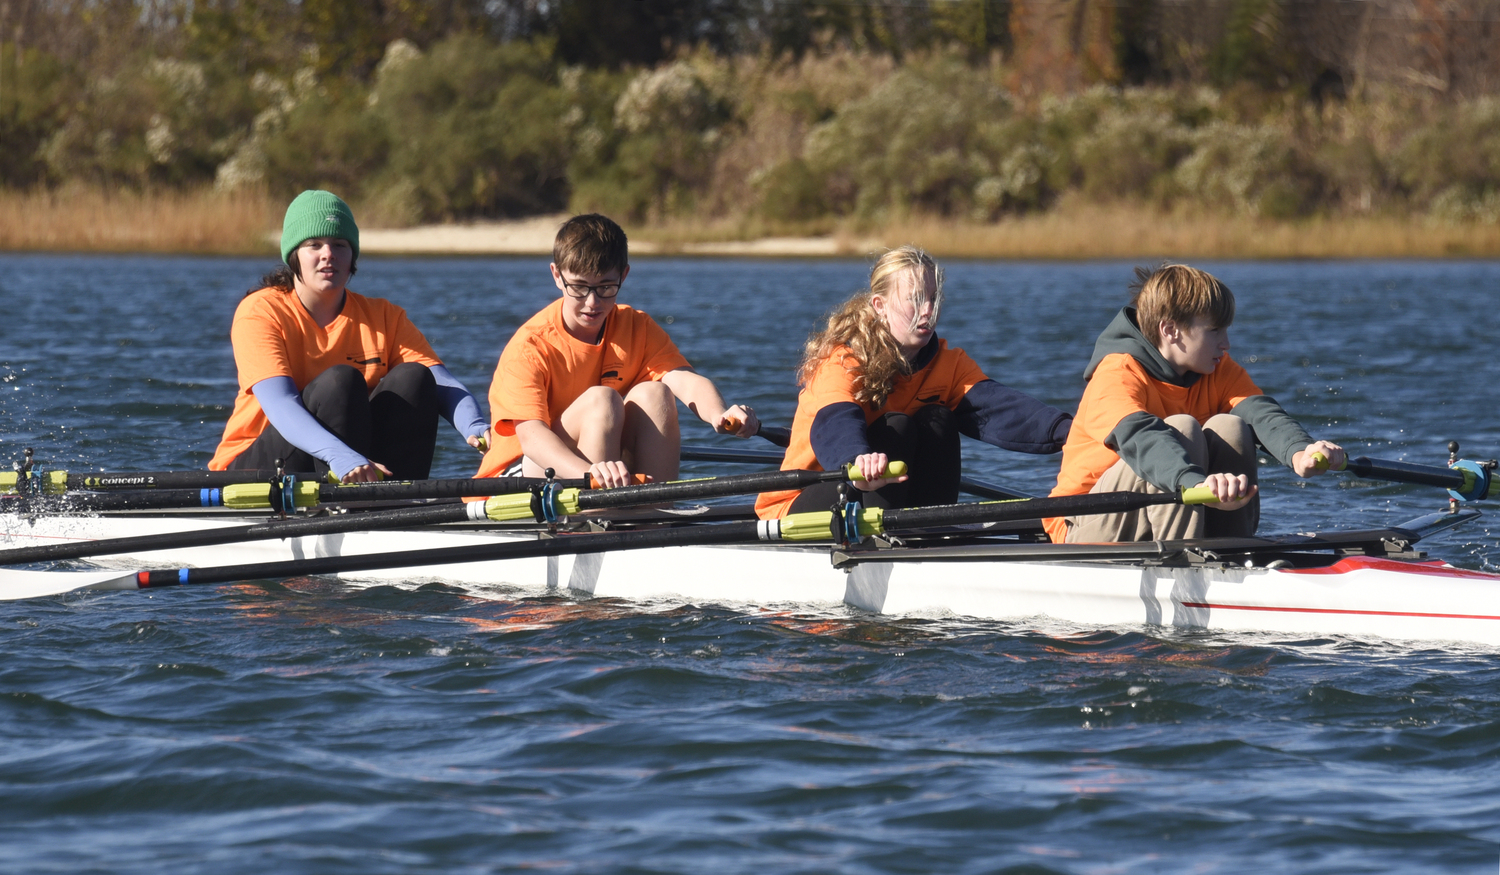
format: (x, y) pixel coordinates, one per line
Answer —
(262, 496)
(59, 482)
(1464, 480)
(805, 527)
(549, 504)
(969, 485)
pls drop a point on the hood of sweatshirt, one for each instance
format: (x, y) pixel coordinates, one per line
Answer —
(1124, 335)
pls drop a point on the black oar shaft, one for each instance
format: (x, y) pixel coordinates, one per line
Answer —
(169, 479)
(150, 499)
(459, 488)
(58, 482)
(1405, 472)
(725, 533)
(1029, 509)
(143, 499)
(271, 530)
(716, 487)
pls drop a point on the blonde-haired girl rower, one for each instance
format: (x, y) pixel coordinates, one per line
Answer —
(878, 384)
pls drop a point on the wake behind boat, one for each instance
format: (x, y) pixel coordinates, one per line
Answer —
(1361, 583)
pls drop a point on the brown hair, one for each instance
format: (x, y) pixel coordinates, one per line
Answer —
(855, 325)
(1181, 294)
(590, 245)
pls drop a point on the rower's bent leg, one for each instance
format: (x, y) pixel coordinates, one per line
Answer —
(927, 441)
(896, 435)
(590, 427)
(339, 399)
(404, 416)
(936, 467)
(651, 442)
(1231, 450)
(825, 496)
(1166, 522)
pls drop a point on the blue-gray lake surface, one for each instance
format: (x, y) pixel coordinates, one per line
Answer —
(314, 726)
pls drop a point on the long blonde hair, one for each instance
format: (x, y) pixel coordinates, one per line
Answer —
(855, 325)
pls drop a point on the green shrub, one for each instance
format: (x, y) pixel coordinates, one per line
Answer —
(35, 97)
(1245, 168)
(1452, 164)
(656, 153)
(323, 141)
(474, 128)
(912, 144)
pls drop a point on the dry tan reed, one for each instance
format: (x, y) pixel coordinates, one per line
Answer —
(1123, 232)
(94, 220)
(89, 220)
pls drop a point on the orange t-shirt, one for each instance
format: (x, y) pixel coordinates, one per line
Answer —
(945, 380)
(275, 336)
(544, 369)
(1121, 386)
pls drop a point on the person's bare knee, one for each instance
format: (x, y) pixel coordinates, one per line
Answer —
(651, 440)
(600, 403)
(654, 399)
(592, 424)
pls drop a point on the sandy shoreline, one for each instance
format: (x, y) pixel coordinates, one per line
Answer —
(533, 236)
(1084, 233)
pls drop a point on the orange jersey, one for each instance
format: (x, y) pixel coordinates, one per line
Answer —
(945, 379)
(275, 336)
(544, 369)
(1121, 386)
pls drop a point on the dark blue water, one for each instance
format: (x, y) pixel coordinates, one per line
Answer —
(314, 726)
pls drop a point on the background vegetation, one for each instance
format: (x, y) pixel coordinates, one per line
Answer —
(744, 117)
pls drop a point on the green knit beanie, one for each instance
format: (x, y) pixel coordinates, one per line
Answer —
(317, 214)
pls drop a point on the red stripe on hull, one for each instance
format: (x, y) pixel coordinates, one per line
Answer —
(1268, 608)
(1432, 567)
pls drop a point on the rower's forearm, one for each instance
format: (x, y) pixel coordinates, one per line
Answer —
(457, 404)
(282, 405)
(699, 394)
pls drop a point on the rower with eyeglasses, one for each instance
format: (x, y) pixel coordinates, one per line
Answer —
(588, 387)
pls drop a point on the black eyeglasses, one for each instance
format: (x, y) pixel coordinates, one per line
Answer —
(603, 291)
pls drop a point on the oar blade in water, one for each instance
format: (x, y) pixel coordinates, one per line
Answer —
(18, 584)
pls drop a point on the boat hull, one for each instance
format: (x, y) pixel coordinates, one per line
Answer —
(1355, 596)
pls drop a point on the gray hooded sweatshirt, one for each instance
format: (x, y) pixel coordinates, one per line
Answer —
(1151, 447)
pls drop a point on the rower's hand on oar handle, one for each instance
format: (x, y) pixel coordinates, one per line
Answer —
(613, 475)
(635, 480)
(1228, 491)
(874, 470)
(480, 442)
(1199, 495)
(892, 471)
(739, 421)
(1319, 456)
(369, 472)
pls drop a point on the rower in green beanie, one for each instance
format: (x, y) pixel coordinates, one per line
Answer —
(333, 382)
(317, 214)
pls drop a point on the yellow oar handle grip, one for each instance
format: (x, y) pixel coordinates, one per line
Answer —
(53, 482)
(1320, 462)
(892, 469)
(1199, 495)
(253, 496)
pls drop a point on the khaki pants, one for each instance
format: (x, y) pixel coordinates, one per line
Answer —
(1223, 445)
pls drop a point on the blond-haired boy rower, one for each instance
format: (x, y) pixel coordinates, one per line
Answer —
(1166, 408)
(588, 386)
